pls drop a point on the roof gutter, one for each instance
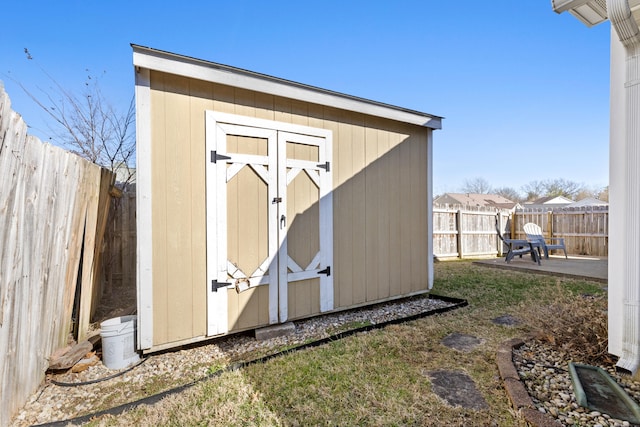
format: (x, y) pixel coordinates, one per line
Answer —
(619, 13)
(622, 20)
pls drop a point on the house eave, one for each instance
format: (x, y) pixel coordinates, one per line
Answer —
(589, 12)
(158, 60)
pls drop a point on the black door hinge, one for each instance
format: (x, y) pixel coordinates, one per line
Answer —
(326, 166)
(215, 157)
(215, 285)
(326, 271)
(277, 200)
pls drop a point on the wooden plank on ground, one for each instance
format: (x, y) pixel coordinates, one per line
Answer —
(70, 358)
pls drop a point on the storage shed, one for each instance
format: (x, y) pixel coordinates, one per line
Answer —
(262, 200)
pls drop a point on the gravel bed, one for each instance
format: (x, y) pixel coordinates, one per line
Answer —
(162, 371)
(545, 374)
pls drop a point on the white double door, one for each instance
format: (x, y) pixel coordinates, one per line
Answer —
(269, 213)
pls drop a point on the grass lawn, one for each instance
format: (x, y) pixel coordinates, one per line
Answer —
(379, 378)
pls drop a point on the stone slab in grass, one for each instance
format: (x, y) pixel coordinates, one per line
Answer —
(506, 320)
(457, 389)
(461, 342)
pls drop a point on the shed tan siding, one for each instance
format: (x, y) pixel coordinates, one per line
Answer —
(380, 205)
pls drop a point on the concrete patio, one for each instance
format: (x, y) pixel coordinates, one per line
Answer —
(577, 267)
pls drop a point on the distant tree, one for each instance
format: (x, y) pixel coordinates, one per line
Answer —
(509, 193)
(87, 124)
(476, 186)
(584, 194)
(587, 192)
(533, 190)
(562, 187)
(604, 194)
(553, 188)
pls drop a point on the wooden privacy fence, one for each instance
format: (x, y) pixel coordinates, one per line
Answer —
(53, 211)
(585, 230)
(457, 232)
(120, 243)
(468, 233)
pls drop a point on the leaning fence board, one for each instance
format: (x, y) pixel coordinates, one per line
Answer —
(95, 222)
(45, 197)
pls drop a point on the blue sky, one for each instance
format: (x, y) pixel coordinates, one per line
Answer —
(524, 91)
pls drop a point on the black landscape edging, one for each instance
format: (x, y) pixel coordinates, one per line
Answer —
(117, 410)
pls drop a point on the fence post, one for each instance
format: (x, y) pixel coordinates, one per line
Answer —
(459, 235)
(550, 222)
(500, 229)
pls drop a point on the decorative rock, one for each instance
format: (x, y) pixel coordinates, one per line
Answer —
(532, 361)
(54, 403)
(85, 363)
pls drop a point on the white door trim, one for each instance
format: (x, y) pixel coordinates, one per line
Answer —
(267, 124)
(318, 173)
(218, 125)
(326, 219)
(217, 176)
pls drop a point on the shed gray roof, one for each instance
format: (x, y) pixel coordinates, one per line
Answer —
(589, 201)
(172, 63)
(557, 200)
(476, 199)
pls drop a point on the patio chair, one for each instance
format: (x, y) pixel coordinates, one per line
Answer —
(518, 247)
(534, 235)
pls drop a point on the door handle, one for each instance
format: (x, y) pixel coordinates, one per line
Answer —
(283, 221)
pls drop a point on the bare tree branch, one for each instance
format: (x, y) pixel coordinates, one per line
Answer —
(476, 186)
(88, 125)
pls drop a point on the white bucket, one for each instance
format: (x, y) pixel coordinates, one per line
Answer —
(118, 342)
